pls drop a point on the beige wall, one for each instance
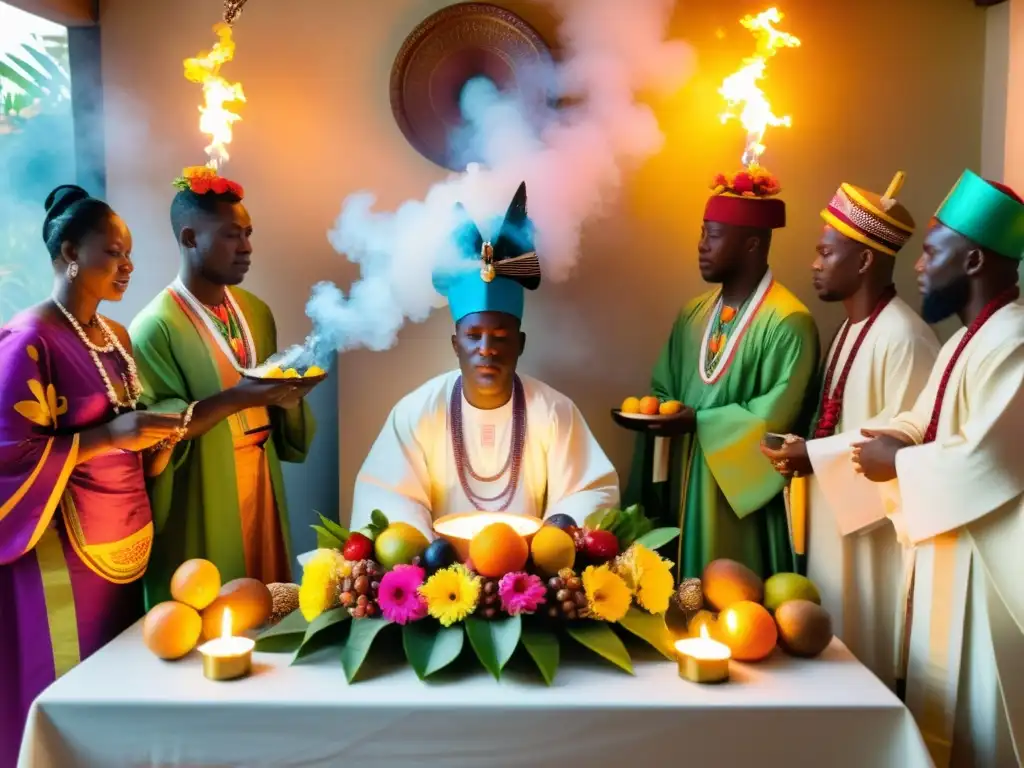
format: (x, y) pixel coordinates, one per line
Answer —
(896, 85)
(996, 88)
(1013, 170)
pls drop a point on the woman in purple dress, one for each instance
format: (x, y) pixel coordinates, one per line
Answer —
(75, 527)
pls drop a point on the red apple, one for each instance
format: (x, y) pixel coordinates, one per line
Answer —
(600, 545)
(358, 547)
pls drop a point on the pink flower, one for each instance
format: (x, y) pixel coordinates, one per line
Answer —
(521, 593)
(399, 598)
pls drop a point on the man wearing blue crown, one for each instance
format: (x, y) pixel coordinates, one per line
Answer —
(482, 437)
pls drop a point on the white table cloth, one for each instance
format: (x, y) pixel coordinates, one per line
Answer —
(123, 707)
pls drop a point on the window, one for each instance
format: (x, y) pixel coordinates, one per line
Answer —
(37, 149)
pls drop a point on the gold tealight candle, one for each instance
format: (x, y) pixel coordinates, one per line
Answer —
(703, 660)
(227, 657)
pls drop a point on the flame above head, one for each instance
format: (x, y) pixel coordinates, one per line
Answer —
(745, 99)
(216, 117)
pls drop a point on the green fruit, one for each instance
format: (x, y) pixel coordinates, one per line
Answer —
(398, 544)
(789, 586)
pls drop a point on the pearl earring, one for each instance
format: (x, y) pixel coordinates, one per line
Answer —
(72, 270)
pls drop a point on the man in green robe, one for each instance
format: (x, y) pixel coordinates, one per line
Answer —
(742, 359)
(221, 496)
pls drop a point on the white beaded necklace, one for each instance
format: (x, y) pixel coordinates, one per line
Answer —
(132, 386)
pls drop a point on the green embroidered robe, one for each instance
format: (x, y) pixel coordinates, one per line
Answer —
(721, 490)
(195, 499)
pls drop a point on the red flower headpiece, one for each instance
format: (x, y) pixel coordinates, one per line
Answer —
(747, 199)
(201, 179)
(753, 182)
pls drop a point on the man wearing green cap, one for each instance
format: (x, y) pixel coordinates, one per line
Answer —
(483, 438)
(955, 461)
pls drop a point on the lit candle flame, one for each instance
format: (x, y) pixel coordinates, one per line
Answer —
(216, 118)
(225, 624)
(704, 632)
(731, 621)
(745, 100)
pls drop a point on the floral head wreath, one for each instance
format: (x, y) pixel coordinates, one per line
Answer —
(201, 179)
(753, 182)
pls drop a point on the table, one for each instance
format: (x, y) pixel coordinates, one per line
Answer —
(123, 707)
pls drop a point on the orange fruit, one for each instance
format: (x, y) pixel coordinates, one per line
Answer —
(250, 604)
(749, 631)
(195, 583)
(553, 549)
(171, 630)
(649, 405)
(631, 405)
(497, 550)
(670, 407)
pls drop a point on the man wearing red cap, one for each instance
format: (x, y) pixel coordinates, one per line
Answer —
(742, 359)
(876, 366)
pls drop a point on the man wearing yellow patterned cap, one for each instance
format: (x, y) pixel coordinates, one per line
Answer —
(876, 366)
(957, 458)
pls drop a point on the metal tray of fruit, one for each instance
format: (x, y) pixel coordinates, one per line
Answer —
(641, 420)
(311, 375)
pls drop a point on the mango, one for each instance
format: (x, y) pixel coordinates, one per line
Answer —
(727, 582)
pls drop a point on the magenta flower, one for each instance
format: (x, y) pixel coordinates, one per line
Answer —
(399, 598)
(521, 593)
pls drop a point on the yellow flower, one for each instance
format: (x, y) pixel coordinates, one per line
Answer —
(648, 576)
(655, 585)
(199, 172)
(320, 579)
(451, 594)
(608, 596)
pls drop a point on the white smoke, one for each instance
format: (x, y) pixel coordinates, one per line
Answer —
(573, 161)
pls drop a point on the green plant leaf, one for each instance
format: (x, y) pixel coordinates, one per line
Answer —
(651, 628)
(325, 539)
(429, 647)
(542, 645)
(378, 519)
(658, 537)
(285, 636)
(340, 533)
(494, 641)
(46, 62)
(593, 520)
(316, 628)
(360, 638)
(609, 521)
(7, 72)
(602, 640)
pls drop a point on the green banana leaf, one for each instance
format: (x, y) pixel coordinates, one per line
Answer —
(542, 645)
(357, 647)
(429, 647)
(494, 641)
(602, 640)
